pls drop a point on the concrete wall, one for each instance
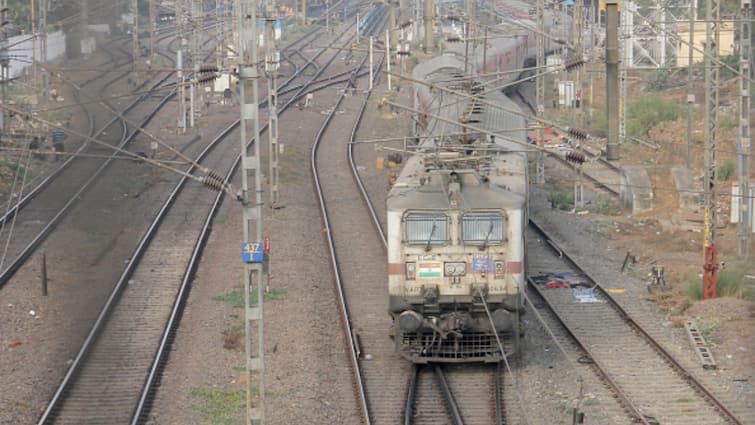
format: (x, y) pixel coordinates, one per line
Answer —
(21, 52)
(726, 44)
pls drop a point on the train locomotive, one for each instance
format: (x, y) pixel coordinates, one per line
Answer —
(457, 214)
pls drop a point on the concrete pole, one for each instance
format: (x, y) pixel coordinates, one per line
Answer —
(540, 90)
(180, 22)
(304, 12)
(43, 42)
(388, 57)
(219, 33)
(690, 85)
(135, 45)
(429, 25)
(612, 78)
(249, 76)
(392, 24)
(744, 226)
(371, 65)
(357, 28)
(34, 61)
(4, 65)
(152, 33)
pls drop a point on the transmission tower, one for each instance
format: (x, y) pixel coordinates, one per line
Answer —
(712, 35)
(612, 78)
(4, 63)
(246, 11)
(135, 38)
(152, 33)
(180, 27)
(272, 63)
(540, 90)
(744, 226)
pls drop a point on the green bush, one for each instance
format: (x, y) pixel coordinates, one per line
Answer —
(649, 111)
(657, 80)
(562, 199)
(726, 170)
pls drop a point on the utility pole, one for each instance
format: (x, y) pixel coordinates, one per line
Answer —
(690, 85)
(196, 60)
(625, 22)
(744, 229)
(612, 78)
(388, 57)
(579, 20)
(219, 33)
(429, 25)
(392, 24)
(303, 12)
(34, 61)
(712, 36)
(180, 22)
(4, 64)
(540, 90)
(372, 69)
(152, 32)
(272, 63)
(248, 76)
(135, 37)
(43, 44)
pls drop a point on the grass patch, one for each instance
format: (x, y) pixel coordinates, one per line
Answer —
(725, 170)
(221, 219)
(649, 111)
(562, 199)
(232, 337)
(220, 407)
(236, 297)
(731, 283)
(603, 204)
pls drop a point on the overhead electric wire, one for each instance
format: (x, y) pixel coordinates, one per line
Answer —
(15, 216)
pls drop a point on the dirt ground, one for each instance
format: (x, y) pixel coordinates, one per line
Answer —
(672, 237)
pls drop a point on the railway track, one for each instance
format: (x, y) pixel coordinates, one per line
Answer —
(390, 390)
(478, 400)
(132, 334)
(28, 223)
(651, 385)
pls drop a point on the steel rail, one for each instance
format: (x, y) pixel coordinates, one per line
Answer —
(451, 406)
(343, 306)
(665, 354)
(411, 396)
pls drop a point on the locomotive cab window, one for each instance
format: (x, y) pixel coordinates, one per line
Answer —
(482, 228)
(426, 229)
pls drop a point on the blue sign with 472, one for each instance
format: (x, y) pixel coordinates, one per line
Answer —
(252, 252)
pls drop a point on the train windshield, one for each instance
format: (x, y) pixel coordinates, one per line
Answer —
(426, 229)
(482, 228)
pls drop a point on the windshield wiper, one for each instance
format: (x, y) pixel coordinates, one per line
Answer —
(487, 237)
(430, 238)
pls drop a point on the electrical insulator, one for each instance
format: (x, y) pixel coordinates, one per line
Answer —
(575, 157)
(573, 63)
(207, 69)
(577, 133)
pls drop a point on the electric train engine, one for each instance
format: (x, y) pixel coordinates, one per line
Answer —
(456, 257)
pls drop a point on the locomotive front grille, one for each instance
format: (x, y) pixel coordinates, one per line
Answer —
(471, 347)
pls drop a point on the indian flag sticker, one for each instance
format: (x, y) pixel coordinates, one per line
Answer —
(429, 269)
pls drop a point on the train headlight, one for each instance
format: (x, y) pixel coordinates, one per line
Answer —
(454, 269)
(411, 271)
